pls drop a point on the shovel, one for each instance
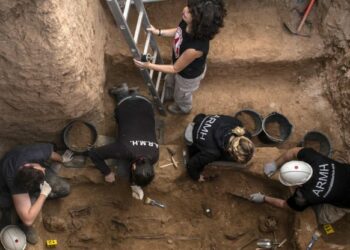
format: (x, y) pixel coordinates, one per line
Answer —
(297, 31)
(269, 244)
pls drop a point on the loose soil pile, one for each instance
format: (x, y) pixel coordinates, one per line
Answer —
(314, 144)
(247, 121)
(273, 129)
(80, 136)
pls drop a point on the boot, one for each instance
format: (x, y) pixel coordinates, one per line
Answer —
(119, 92)
(174, 109)
(30, 232)
(134, 90)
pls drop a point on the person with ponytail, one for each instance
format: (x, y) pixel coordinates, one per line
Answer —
(216, 137)
(201, 21)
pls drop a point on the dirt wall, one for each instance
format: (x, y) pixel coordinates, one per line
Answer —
(336, 31)
(51, 65)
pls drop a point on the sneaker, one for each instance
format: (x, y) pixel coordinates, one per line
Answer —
(31, 234)
(174, 109)
(134, 90)
(119, 89)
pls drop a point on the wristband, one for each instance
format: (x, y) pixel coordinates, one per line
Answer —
(159, 32)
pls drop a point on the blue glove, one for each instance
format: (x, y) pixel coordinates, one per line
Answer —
(270, 169)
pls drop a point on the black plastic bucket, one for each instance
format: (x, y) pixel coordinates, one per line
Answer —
(276, 128)
(251, 120)
(318, 141)
(76, 130)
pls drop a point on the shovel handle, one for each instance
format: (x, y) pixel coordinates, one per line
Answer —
(307, 12)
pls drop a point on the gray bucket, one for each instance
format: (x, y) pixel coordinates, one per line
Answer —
(76, 145)
(252, 122)
(318, 141)
(276, 128)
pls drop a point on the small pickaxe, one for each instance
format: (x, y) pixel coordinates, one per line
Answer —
(302, 21)
(172, 153)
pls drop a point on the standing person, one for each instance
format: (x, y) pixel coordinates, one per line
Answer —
(215, 137)
(201, 21)
(22, 176)
(320, 182)
(136, 143)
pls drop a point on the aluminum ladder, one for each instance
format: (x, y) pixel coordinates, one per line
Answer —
(121, 18)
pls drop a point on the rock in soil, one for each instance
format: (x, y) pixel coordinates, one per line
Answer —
(54, 224)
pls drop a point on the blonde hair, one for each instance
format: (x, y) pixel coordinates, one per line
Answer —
(240, 147)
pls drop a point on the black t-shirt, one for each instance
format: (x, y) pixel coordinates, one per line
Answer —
(330, 182)
(136, 133)
(136, 127)
(184, 41)
(12, 161)
(211, 134)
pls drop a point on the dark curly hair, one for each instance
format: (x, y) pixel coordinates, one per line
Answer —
(28, 178)
(144, 172)
(207, 17)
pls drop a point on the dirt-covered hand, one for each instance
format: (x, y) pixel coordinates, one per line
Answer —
(257, 197)
(110, 177)
(45, 189)
(67, 156)
(270, 169)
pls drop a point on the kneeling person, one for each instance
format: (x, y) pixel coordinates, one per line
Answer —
(136, 142)
(23, 176)
(216, 137)
(319, 182)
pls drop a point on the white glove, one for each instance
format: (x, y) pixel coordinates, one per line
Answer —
(110, 177)
(67, 156)
(137, 192)
(257, 197)
(270, 169)
(45, 189)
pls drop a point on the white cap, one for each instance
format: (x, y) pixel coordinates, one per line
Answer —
(13, 238)
(294, 173)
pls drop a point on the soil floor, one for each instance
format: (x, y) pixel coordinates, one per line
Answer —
(108, 218)
(265, 77)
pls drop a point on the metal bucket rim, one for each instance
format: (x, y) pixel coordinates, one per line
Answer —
(258, 115)
(67, 129)
(274, 139)
(319, 133)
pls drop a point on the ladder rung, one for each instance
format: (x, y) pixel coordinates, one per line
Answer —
(148, 39)
(154, 58)
(163, 93)
(138, 27)
(150, 44)
(158, 80)
(126, 9)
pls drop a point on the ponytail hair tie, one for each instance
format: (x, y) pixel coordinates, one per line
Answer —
(238, 131)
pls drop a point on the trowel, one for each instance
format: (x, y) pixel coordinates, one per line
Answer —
(149, 201)
(269, 244)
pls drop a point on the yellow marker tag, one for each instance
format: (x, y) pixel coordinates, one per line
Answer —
(328, 228)
(51, 243)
